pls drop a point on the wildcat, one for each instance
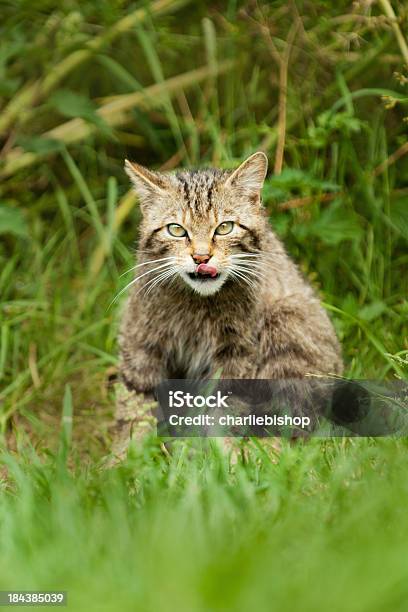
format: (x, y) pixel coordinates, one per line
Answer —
(214, 290)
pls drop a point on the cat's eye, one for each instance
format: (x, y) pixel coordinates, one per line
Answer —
(176, 230)
(224, 228)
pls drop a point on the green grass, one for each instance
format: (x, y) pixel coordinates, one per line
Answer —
(325, 527)
(178, 83)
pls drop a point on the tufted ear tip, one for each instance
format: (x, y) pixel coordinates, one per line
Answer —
(137, 171)
(146, 183)
(128, 166)
(260, 155)
(131, 167)
(250, 175)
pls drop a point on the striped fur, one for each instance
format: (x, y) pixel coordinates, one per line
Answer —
(258, 319)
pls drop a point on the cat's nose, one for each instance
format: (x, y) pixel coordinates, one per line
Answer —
(201, 258)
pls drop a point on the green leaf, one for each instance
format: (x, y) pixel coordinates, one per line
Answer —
(71, 104)
(330, 126)
(372, 311)
(349, 304)
(280, 223)
(332, 227)
(399, 216)
(40, 145)
(295, 182)
(12, 221)
(9, 86)
(295, 178)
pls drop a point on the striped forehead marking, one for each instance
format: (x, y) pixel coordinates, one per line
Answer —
(197, 187)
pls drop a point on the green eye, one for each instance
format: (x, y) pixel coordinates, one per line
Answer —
(225, 228)
(176, 230)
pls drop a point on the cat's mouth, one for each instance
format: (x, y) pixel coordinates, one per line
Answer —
(204, 272)
(206, 279)
(203, 277)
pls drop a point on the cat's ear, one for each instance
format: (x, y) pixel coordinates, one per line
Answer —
(148, 185)
(250, 175)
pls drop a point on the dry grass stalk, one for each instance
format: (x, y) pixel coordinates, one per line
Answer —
(122, 211)
(300, 202)
(389, 11)
(400, 152)
(32, 92)
(116, 112)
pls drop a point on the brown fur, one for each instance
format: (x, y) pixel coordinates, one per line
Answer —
(269, 324)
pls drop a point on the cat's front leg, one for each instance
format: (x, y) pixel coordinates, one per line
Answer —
(134, 419)
(140, 372)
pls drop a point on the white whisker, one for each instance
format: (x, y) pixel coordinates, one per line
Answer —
(159, 280)
(246, 255)
(254, 277)
(132, 282)
(250, 264)
(248, 260)
(253, 273)
(246, 281)
(159, 275)
(242, 277)
(163, 265)
(256, 261)
(145, 263)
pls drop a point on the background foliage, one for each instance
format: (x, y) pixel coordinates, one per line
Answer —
(321, 87)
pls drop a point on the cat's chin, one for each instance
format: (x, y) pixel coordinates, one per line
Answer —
(205, 285)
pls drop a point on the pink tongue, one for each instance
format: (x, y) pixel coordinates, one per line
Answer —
(206, 270)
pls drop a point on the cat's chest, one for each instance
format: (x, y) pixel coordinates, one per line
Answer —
(192, 346)
(197, 340)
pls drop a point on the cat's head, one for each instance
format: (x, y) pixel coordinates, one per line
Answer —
(204, 226)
